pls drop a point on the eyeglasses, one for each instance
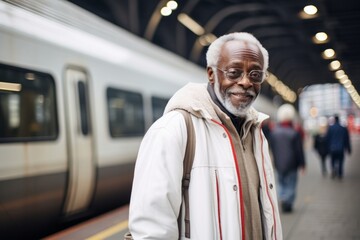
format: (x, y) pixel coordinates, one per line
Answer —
(236, 74)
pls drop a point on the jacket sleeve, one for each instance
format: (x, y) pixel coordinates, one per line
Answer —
(156, 194)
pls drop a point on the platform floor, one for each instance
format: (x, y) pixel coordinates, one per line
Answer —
(325, 208)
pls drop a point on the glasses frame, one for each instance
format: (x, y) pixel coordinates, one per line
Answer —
(265, 75)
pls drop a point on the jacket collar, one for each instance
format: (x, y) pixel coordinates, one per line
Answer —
(196, 99)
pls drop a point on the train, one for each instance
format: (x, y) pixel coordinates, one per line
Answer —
(77, 94)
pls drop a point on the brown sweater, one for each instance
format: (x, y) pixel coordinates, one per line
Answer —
(242, 136)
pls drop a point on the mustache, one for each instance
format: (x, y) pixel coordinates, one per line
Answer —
(237, 90)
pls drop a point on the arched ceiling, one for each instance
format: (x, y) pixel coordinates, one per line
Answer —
(294, 58)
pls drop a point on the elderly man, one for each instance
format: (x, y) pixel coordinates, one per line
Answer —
(232, 191)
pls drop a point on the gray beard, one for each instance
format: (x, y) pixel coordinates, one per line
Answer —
(226, 102)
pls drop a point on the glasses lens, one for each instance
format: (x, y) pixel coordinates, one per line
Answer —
(256, 76)
(234, 74)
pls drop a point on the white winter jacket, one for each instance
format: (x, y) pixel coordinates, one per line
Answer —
(215, 198)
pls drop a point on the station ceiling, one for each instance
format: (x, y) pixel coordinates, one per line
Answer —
(294, 57)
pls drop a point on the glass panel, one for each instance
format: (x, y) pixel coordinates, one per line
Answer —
(27, 105)
(158, 107)
(84, 115)
(126, 114)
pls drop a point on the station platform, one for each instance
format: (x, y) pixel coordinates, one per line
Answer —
(325, 208)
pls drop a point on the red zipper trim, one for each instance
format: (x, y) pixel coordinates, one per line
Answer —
(242, 215)
(218, 200)
(267, 189)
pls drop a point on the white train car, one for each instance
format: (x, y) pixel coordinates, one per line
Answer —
(76, 96)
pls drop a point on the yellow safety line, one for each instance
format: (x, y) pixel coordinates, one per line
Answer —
(109, 231)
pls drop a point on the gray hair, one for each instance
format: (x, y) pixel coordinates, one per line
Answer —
(213, 53)
(286, 112)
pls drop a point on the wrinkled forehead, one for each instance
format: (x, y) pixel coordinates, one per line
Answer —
(241, 50)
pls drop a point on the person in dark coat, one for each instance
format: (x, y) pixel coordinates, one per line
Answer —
(287, 148)
(338, 142)
(321, 147)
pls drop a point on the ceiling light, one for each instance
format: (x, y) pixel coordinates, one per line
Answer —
(335, 65)
(351, 89)
(172, 5)
(207, 39)
(339, 74)
(310, 9)
(308, 12)
(346, 81)
(191, 24)
(347, 84)
(320, 37)
(278, 86)
(328, 53)
(344, 76)
(343, 80)
(355, 96)
(165, 11)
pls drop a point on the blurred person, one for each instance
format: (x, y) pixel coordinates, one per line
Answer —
(232, 193)
(298, 127)
(288, 153)
(266, 127)
(321, 147)
(338, 142)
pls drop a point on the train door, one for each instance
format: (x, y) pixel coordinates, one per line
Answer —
(79, 135)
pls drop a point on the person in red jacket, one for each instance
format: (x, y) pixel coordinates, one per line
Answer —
(288, 153)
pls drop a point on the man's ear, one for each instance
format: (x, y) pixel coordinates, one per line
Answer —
(211, 75)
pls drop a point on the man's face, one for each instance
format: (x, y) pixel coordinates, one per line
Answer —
(236, 96)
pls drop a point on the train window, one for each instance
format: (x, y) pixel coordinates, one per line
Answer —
(84, 115)
(126, 114)
(158, 107)
(27, 105)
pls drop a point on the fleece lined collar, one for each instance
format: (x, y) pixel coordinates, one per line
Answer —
(195, 98)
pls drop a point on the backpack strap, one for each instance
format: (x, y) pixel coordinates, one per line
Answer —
(188, 162)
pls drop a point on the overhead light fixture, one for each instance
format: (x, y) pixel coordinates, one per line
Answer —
(343, 80)
(335, 65)
(278, 86)
(309, 11)
(320, 37)
(167, 10)
(328, 53)
(346, 81)
(350, 89)
(172, 5)
(191, 24)
(347, 84)
(339, 74)
(207, 39)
